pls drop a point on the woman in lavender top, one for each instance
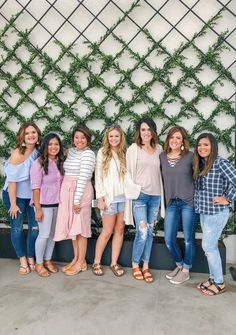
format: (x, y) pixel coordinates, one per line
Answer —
(177, 172)
(17, 193)
(46, 176)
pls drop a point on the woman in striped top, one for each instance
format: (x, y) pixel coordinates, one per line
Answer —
(109, 183)
(74, 212)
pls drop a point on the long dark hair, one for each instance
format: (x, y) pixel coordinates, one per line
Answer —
(200, 169)
(43, 153)
(153, 128)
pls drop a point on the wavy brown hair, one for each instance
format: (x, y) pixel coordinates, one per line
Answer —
(153, 128)
(184, 134)
(20, 137)
(201, 168)
(107, 153)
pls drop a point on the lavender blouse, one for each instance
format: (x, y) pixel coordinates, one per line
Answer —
(49, 184)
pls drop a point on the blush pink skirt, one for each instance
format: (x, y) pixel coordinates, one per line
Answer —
(69, 224)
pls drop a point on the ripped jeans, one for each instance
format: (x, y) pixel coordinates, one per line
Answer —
(145, 211)
(212, 227)
(22, 248)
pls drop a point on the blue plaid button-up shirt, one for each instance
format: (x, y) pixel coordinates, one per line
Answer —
(220, 180)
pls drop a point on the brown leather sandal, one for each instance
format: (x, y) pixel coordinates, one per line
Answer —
(41, 270)
(31, 264)
(147, 276)
(117, 270)
(137, 273)
(68, 266)
(75, 269)
(50, 266)
(24, 270)
(97, 269)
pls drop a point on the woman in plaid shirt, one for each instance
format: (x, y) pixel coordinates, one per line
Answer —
(215, 189)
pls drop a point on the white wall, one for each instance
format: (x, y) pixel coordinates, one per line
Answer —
(159, 27)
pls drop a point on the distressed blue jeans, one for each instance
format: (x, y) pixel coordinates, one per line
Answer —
(177, 211)
(22, 248)
(145, 211)
(212, 227)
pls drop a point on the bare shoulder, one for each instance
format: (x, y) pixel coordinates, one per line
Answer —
(16, 157)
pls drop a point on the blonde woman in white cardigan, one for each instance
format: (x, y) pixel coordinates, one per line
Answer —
(109, 183)
(144, 167)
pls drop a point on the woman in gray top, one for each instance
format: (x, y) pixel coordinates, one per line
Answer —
(177, 172)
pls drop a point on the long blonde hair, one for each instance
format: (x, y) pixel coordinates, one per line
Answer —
(107, 152)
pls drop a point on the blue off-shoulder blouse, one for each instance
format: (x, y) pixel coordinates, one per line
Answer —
(20, 174)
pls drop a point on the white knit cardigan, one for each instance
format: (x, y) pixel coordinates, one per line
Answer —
(104, 184)
(131, 161)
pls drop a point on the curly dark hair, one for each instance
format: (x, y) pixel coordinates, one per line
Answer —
(43, 153)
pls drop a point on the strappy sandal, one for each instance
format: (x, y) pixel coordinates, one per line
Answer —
(205, 285)
(31, 264)
(68, 266)
(97, 269)
(210, 292)
(24, 270)
(147, 276)
(41, 270)
(50, 266)
(137, 273)
(75, 269)
(117, 270)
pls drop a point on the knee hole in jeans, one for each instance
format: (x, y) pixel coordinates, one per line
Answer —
(143, 229)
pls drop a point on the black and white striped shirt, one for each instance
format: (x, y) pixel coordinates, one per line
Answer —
(80, 164)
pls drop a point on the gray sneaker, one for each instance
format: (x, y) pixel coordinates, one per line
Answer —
(180, 278)
(173, 273)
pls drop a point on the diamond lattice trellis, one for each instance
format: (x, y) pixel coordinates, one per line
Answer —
(101, 62)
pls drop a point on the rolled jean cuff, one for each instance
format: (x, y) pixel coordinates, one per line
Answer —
(186, 266)
(144, 261)
(179, 263)
(135, 261)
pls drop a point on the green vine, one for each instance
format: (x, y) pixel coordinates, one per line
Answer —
(126, 108)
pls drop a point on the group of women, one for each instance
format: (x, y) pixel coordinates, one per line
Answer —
(132, 186)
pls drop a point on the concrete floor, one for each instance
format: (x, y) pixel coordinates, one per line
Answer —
(85, 304)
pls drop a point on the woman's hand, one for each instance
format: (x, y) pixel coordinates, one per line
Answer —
(101, 204)
(13, 210)
(220, 200)
(38, 215)
(77, 208)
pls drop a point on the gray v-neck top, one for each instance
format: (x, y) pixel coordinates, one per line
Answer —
(178, 179)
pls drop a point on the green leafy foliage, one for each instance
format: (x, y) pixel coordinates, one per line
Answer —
(68, 107)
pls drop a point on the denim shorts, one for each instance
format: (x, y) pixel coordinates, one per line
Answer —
(114, 208)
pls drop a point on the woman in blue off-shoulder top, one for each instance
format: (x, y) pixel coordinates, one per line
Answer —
(17, 193)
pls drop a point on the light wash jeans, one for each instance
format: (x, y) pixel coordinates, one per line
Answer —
(145, 211)
(212, 227)
(44, 244)
(176, 211)
(22, 248)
